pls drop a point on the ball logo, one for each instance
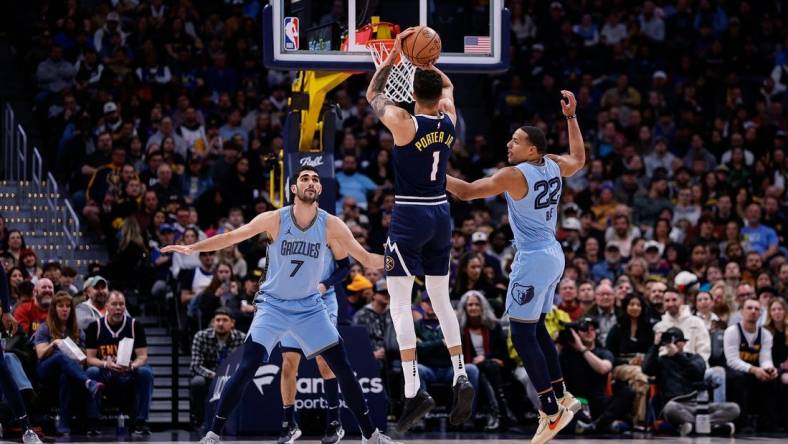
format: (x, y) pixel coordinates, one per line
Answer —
(314, 162)
(522, 294)
(291, 33)
(265, 376)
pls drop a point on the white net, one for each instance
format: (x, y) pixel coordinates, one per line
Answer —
(399, 87)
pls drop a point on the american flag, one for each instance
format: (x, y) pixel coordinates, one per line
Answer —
(476, 45)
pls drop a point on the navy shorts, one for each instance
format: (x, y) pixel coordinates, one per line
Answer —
(419, 242)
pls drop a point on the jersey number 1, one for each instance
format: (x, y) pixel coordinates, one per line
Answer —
(436, 157)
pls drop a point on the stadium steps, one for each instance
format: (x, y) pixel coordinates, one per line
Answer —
(28, 211)
(160, 349)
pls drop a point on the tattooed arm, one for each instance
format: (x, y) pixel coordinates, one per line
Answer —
(396, 119)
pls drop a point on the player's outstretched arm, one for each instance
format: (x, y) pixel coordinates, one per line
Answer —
(446, 103)
(576, 159)
(268, 221)
(396, 119)
(508, 179)
(341, 240)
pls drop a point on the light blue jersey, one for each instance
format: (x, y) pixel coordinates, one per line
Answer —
(289, 304)
(533, 218)
(289, 342)
(539, 261)
(297, 257)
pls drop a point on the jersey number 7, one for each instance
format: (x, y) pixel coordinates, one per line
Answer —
(298, 265)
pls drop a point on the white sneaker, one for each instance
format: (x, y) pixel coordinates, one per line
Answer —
(30, 437)
(685, 428)
(549, 427)
(210, 438)
(378, 438)
(570, 402)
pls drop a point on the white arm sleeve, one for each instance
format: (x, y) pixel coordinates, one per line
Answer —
(765, 357)
(732, 342)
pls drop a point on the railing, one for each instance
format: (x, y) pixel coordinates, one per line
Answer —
(14, 147)
(15, 168)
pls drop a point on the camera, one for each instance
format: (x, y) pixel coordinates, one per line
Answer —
(583, 324)
(671, 336)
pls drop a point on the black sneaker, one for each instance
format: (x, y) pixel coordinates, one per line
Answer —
(93, 431)
(334, 433)
(463, 401)
(414, 409)
(289, 433)
(141, 428)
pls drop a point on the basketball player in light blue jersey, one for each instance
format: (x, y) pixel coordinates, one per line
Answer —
(289, 301)
(333, 273)
(532, 188)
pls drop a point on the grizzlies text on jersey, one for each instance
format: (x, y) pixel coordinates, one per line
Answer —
(289, 302)
(539, 261)
(420, 233)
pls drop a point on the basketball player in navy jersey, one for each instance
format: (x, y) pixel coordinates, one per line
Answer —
(419, 242)
(289, 301)
(7, 384)
(532, 187)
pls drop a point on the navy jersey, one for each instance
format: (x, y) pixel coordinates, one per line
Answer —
(105, 339)
(420, 166)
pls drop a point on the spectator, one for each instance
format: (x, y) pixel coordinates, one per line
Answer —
(679, 374)
(58, 367)
(352, 183)
(96, 290)
(194, 281)
(776, 323)
(182, 262)
(567, 292)
(759, 238)
(632, 335)
(29, 260)
(751, 373)
(101, 343)
(480, 245)
(704, 310)
(221, 292)
(484, 345)
(376, 319)
(434, 362)
(586, 367)
(611, 267)
(32, 314)
(677, 314)
(55, 74)
(621, 234)
(210, 347)
(603, 311)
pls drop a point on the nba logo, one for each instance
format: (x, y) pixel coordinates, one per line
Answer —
(291, 33)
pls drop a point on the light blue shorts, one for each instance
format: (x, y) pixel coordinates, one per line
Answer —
(306, 319)
(289, 342)
(532, 282)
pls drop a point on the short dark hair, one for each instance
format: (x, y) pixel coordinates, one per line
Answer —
(300, 170)
(537, 137)
(427, 85)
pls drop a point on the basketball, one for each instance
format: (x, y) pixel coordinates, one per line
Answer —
(423, 47)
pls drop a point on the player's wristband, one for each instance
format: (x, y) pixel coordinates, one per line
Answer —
(573, 116)
(342, 270)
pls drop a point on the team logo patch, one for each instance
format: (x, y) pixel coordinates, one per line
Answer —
(522, 294)
(389, 263)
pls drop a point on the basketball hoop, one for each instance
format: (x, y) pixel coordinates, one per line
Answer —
(399, 86)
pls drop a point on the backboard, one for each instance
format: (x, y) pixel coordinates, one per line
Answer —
(309, 34)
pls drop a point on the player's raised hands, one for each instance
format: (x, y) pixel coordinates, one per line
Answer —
(568, 103)
(402, 36)
(182, 249)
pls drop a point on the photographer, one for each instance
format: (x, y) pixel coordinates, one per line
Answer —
(677, 373)
(586, 367)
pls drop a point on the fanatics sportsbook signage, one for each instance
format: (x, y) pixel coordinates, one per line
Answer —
(260, 410)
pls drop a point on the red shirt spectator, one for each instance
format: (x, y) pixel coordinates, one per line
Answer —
(33, 313)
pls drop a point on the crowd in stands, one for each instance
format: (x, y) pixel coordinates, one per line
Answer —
(163, 124)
